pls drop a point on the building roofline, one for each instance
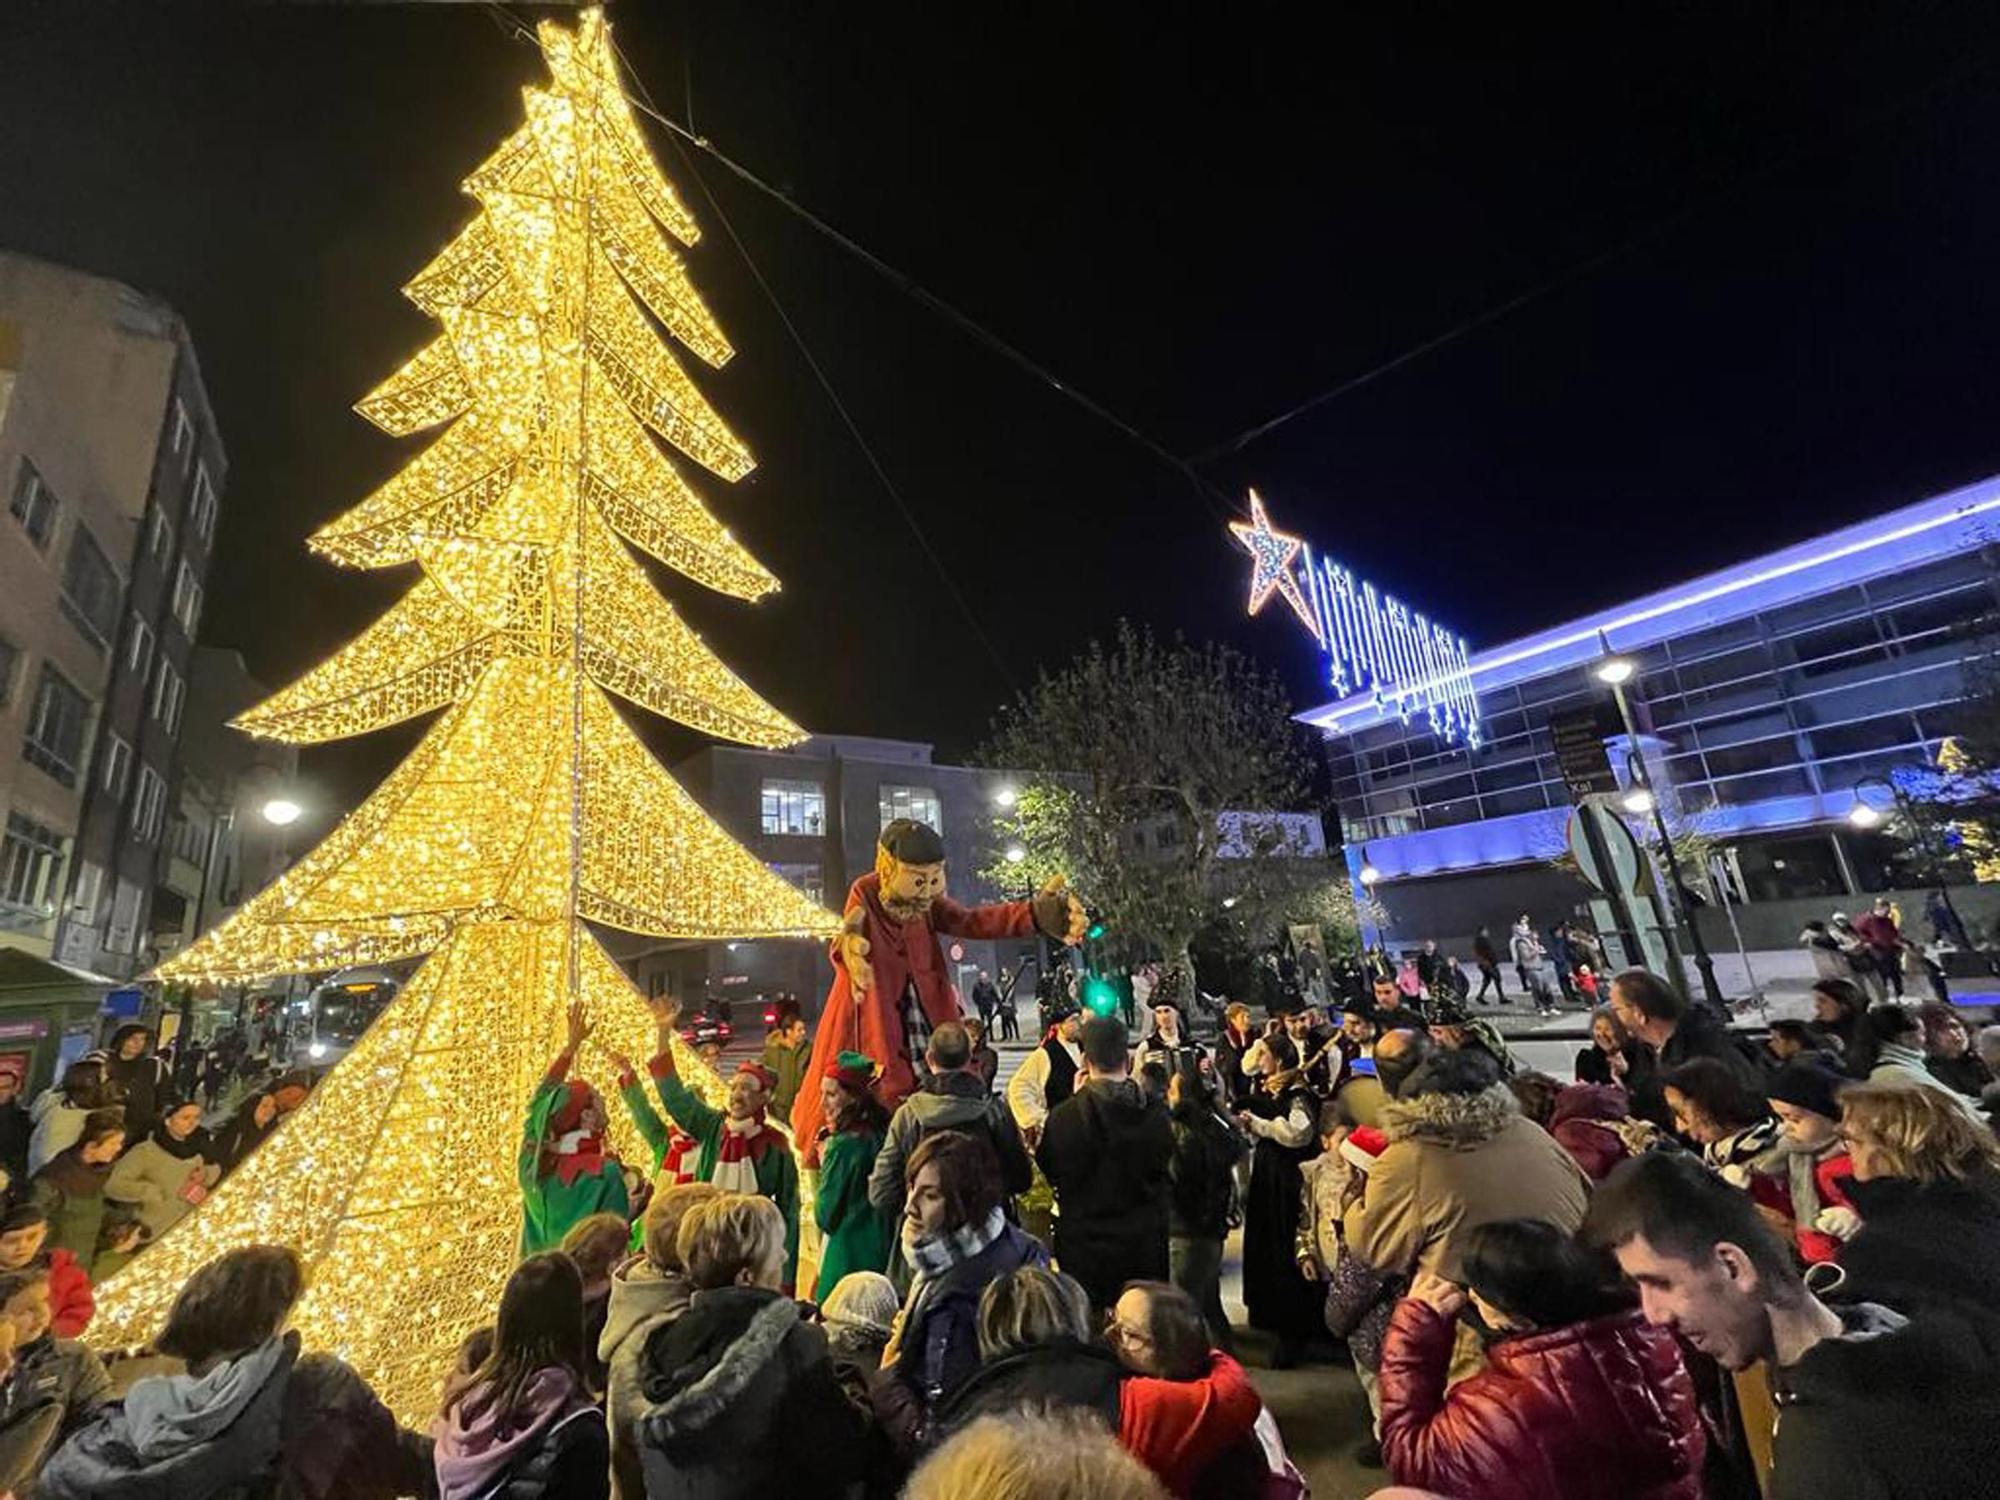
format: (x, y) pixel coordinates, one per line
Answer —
(1957, 521)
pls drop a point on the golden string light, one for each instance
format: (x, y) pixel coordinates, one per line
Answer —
(530, 808)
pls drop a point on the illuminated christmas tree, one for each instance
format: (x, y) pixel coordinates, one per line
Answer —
(530, 807)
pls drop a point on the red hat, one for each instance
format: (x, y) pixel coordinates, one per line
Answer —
(1362, 1146)
(762, 1074)
(569, 1114)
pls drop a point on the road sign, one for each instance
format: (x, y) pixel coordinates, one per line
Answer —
(1579, 737)
(1603, 847)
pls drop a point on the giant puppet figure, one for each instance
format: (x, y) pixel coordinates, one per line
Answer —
(890, 985)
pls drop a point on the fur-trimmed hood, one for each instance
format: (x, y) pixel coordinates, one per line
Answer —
(1451, 1120)
(697, 1369)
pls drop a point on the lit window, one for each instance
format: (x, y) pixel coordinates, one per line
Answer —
(147, 805)
(34, 505)
(794, 807)
(918, 802)
(117, 766)
(167, 692)
(187, 599)
(806, 877)
(57, 724)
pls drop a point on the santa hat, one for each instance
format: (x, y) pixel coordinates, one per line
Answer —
(766, 1079)
(577, 1096)
(1362, 1146)
(855, 1070)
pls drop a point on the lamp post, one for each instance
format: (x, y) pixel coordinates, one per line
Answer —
(1866, 817)
(1640, 800)
(278, 811)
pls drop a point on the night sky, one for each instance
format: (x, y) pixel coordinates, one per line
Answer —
(1198, 223)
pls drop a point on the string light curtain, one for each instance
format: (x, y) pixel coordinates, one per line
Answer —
(530, 807)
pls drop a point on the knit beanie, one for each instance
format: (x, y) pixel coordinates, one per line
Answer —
(864, 1300)
(1807, 1085)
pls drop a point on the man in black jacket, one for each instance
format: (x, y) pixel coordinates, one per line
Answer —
(1651, 1010)
(1871, 1405)
(954, 1097)
(1106, 1152)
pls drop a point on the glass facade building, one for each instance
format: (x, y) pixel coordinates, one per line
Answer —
(1763, 694)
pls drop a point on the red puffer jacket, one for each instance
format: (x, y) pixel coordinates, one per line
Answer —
(1602, 1410)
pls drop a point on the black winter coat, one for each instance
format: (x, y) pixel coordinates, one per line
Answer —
(1203, 1172)
(1106, 1151)
(1062, 1376)
(572, 1462)
(742, 1403)
(1927, 1247)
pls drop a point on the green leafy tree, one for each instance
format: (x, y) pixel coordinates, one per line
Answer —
(1151, 770)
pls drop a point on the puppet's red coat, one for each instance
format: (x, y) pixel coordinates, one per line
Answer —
(898, 952)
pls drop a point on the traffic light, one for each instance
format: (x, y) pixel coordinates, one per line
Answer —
(1095, 930)
(1100, 995)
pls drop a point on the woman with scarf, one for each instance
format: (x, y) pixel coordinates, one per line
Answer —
(161, 1179)
(856, 1235)
(248, 1415)
(957, 1242)
(566, 1170)
(70, 1189)
(1279, 1115)
(1739, 1139)
(1805, 1097)
(522, 1423)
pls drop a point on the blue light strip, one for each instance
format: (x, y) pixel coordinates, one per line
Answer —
(1375, 645)
(1940, 527)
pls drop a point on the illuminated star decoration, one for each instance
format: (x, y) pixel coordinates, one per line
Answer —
(1273, 552)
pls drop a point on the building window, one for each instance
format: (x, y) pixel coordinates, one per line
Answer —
(57, 725)
(89, 892)
(34, 505)
(806, 877)
(10, 661)
(918, 802)
(90, 589)
(183, 433)
(167, 694)
(160, 535)
(187, 599)
(117, 767)
(30, 861)
(794, 807)
(202, 510)
(148, 805)
(123, 933)
(139, 648)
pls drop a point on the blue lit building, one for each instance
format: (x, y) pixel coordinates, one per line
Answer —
(1764, 694)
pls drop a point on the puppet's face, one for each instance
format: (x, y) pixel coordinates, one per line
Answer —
(908, 890)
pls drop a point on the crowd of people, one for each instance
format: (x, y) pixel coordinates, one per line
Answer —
(1707, 1267)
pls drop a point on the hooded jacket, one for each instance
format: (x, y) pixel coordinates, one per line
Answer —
(143, 1081)
(643, 1298)
(1107, 1152)
(1177, 1428)
(1452, 1163)
(1594, 1124)
(310, 1430)
(948, 1101)
(1891, 1409)
(1599, 1410)
(739, 1393)
(58, 1126)
(54, 1388)
(558, 1451)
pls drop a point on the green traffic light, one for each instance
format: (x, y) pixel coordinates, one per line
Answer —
(1100, 997)
(1094, 931)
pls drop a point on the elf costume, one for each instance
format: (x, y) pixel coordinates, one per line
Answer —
(856, 1235)
(566, 1173)
(738, 1156)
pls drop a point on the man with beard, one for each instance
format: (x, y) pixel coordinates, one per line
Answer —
(890, 984)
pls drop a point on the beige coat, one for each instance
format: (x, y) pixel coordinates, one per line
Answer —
(150, 1180)
(1454, 1162)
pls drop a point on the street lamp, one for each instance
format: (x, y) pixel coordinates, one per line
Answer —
(1005, 798)
(1369, 875)
(282, 812)
(1016, 854)
(1639, 800)
(1616, 670)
